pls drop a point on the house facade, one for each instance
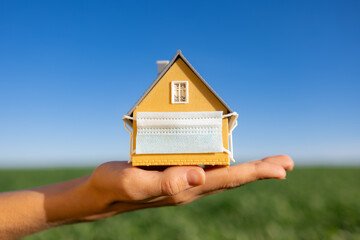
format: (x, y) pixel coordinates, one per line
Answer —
(180, 120)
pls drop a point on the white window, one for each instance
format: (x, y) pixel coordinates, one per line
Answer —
(179, 92)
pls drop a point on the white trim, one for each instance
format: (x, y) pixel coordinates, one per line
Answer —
(173, 90)
(230, 114)
(128, 117)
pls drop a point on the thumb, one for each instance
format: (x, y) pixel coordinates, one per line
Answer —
(177, 179)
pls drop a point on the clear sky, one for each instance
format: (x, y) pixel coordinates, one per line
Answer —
(69, 70)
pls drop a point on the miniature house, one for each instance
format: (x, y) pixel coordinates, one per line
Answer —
(180, 120)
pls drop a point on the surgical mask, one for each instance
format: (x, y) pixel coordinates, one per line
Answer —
(179, 132)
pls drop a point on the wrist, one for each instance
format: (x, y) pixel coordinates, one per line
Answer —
(70, 202)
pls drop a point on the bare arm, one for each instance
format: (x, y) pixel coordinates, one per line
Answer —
(117, 187)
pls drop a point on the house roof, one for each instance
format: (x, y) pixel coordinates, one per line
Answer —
(173, 60)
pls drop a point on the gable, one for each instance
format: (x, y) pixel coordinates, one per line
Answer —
(200, 96)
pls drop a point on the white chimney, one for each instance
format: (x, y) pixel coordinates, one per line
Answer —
(161, 65)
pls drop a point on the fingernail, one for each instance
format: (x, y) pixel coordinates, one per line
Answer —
(194, 178)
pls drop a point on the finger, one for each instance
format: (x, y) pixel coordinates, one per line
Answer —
(177, 179)
(230, 177)
(169, 182)
(285, 161)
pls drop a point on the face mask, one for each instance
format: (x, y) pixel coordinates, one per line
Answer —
(179, 132)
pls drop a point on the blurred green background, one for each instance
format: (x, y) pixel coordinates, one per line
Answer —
(312, 203)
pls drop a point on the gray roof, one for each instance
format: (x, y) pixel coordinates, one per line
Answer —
(173, 60)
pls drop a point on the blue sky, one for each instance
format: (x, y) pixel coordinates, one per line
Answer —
(69, 70)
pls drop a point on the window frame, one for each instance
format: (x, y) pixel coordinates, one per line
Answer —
(173, 89)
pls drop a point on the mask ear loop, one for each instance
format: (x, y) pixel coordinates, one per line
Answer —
(231, 151)
(230, 154)
(131, 152)
(130, 145)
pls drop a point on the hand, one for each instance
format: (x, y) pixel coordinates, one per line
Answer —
(121, 187)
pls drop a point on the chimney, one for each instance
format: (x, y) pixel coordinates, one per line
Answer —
(161, 65)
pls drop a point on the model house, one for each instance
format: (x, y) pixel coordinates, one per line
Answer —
(180, 120)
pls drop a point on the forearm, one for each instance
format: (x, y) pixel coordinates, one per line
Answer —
(33, 210)
(21, 213)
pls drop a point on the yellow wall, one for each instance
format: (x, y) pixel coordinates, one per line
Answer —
(200, 99)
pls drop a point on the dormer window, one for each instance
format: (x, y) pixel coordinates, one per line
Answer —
(179, 92)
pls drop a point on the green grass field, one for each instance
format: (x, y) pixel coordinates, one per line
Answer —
(313, 203)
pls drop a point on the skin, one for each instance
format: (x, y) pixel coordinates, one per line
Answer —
(117, 187)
